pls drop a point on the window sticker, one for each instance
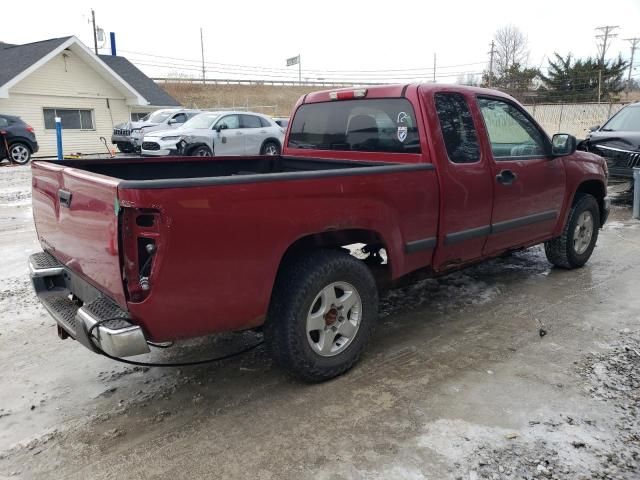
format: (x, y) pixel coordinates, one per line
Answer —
(402, 129)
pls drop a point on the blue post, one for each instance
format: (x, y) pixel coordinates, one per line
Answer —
(59, 136)
(636, 193)
(112, 36)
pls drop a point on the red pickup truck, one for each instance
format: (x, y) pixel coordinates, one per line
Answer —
(425, 178)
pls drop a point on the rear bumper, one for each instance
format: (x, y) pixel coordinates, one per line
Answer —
(77, 306)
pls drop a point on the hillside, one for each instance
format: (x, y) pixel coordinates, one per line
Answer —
(274, 100)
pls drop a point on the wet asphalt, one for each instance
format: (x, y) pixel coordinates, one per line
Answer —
(457, 382)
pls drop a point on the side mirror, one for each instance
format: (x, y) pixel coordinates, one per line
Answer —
(222, 126)
(594, 128)
(563, 144)
(172, 121)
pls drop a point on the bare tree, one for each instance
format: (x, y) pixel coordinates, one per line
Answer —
(511, 47)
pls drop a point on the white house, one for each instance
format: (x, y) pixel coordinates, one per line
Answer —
(90, 93)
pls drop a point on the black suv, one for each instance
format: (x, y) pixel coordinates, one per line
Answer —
(618, 141)
(17, 140)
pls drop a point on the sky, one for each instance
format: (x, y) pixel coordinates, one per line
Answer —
(355, 40)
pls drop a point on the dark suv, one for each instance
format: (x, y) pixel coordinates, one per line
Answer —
(618, 141)
(17, 140)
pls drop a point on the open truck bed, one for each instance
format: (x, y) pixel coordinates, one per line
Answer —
(214, 229)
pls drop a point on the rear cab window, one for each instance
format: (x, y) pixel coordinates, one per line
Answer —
(368, 125)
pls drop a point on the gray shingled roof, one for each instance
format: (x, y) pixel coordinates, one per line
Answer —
(138, 80)
(17, 58)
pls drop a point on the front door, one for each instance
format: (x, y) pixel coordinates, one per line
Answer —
(229, 140)
(529, 183)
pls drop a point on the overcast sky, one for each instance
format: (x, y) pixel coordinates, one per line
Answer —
(345, 36)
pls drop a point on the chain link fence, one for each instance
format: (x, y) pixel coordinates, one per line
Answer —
(573, 118)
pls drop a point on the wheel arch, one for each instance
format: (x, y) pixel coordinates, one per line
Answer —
(21, 141)
(597, 189)
(338, 239)
(190, 149)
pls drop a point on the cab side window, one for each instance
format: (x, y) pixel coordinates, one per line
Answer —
(250, 121)
(231, 121)
(456, 125)
(180, 118)
(512, 135)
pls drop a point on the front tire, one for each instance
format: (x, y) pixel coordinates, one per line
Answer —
(19, 153)
(574, 247)
(322, 313)
(201, 151)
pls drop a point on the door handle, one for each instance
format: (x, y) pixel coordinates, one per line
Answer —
(238, 133)
(65, 198)
(506, 177)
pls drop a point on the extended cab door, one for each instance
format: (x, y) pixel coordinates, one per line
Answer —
(229, 140)
(529, 183)
(465, 178)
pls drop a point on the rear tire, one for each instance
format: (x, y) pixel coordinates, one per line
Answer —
(19, 153)
(330, 290)
(270, 148)
(574, 247)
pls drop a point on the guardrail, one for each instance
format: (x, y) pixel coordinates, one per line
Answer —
(289, 83)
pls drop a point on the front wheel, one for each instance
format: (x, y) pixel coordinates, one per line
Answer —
(322, 314)
(202, 151)
(19, 153)
(574, 247)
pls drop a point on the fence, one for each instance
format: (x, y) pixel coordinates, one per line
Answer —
(573, 118)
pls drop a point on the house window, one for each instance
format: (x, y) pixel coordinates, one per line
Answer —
(71, 119)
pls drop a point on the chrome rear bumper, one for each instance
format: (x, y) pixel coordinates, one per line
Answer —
(77, 306)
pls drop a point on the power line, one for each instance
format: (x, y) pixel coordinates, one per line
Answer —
(254, 67)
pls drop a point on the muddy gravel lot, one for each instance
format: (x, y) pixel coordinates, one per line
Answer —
(457, 382)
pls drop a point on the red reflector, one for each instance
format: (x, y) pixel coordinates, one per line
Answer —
(30, 128)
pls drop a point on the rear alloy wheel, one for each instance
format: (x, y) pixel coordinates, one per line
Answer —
(322, 313)
(271, 149)
(19, 153)
(202, 151)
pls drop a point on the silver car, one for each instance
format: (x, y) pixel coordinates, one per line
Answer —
(220, 134)
(128, 136)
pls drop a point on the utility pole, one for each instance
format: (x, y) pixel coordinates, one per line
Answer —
(491, 54)
(434, 67)
(202, 53)
(95, 33)
(603, 46)
(634, 44)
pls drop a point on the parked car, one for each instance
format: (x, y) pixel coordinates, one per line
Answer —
(17, 140)
(128, 136)
(618, 141)
(430, 178)
(220, 134)
(282, 122)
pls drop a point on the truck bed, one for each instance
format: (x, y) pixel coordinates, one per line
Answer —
(190, 171)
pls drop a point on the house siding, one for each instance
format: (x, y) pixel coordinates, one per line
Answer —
(67, 82)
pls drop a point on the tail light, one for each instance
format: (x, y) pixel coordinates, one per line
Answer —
(30, 129)
(348, 94)
(140, 244)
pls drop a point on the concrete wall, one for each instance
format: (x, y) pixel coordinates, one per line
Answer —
(572, 118)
